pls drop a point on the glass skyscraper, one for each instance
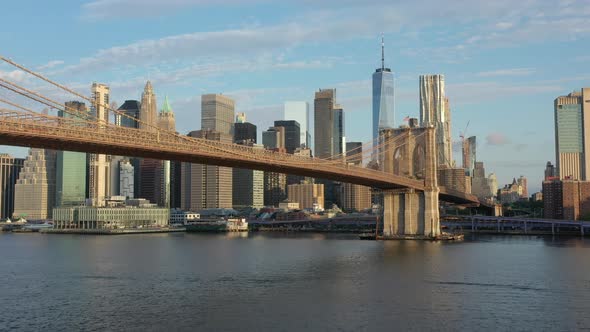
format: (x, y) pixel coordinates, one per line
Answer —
(70, 185)
(383, 97)
(572, 141)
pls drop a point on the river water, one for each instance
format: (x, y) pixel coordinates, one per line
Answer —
(278, 282)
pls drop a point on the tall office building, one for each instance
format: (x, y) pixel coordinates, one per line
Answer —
(469, 155)
(175, 184)
(572, 135)
(292, 134)
(328, 135)
(480, 184)
(383, 97)
(99, 164)
(131, 109)
(522, 181)
(35, 187)
(10, 168)
(324, 105)
(217, 113)
(493, 183)
(70, 178)
(148, 108)
(339, 138)
(435, 111)
(205, 186)
(550, 171)
(126, 174)
(299, 111)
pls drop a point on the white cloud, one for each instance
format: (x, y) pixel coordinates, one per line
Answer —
(497, 139)
(51, 64)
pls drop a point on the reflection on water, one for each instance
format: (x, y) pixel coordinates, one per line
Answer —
(276, 281)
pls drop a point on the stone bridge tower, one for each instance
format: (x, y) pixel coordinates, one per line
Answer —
(409, 213)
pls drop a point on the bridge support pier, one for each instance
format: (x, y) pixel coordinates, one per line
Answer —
(409, 214)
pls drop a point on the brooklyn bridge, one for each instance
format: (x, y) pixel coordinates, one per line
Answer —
(403, 163)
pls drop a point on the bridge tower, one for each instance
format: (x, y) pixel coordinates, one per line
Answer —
(408, 213)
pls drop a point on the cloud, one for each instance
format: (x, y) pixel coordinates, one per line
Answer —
(109, 9)
(476, 92)
(507, 72)
(497, 139)
(51, 64)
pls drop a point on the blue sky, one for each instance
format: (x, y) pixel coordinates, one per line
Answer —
(504, 62)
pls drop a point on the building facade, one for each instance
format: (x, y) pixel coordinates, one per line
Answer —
(572, 136)
(86, 217)
(206, 186)
(131, 109)
(245, 133)
(435, 111)
(217, 113)
(469, 154)
(292, 132)
(10, 169)
(567, 199)
(274, 138)
(126, 178)
(148, 109)
(480, 184)
(308, 195)
(35, 187)
(324, 123)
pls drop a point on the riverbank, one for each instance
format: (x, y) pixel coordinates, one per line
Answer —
(112, 231)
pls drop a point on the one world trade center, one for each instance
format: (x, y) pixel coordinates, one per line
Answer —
(383, 100)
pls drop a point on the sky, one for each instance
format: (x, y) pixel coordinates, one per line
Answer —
(504, 61)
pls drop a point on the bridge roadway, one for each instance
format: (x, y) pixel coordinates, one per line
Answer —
(35, 130)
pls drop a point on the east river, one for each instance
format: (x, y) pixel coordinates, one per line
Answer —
(279, 282)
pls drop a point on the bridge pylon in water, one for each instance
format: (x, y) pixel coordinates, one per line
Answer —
(409, 213)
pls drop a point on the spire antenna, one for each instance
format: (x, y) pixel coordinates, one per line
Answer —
(382, 52)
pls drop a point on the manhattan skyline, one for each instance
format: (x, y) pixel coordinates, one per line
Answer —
(503, 62)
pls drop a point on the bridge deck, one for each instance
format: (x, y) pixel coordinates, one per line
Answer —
(43, 131)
